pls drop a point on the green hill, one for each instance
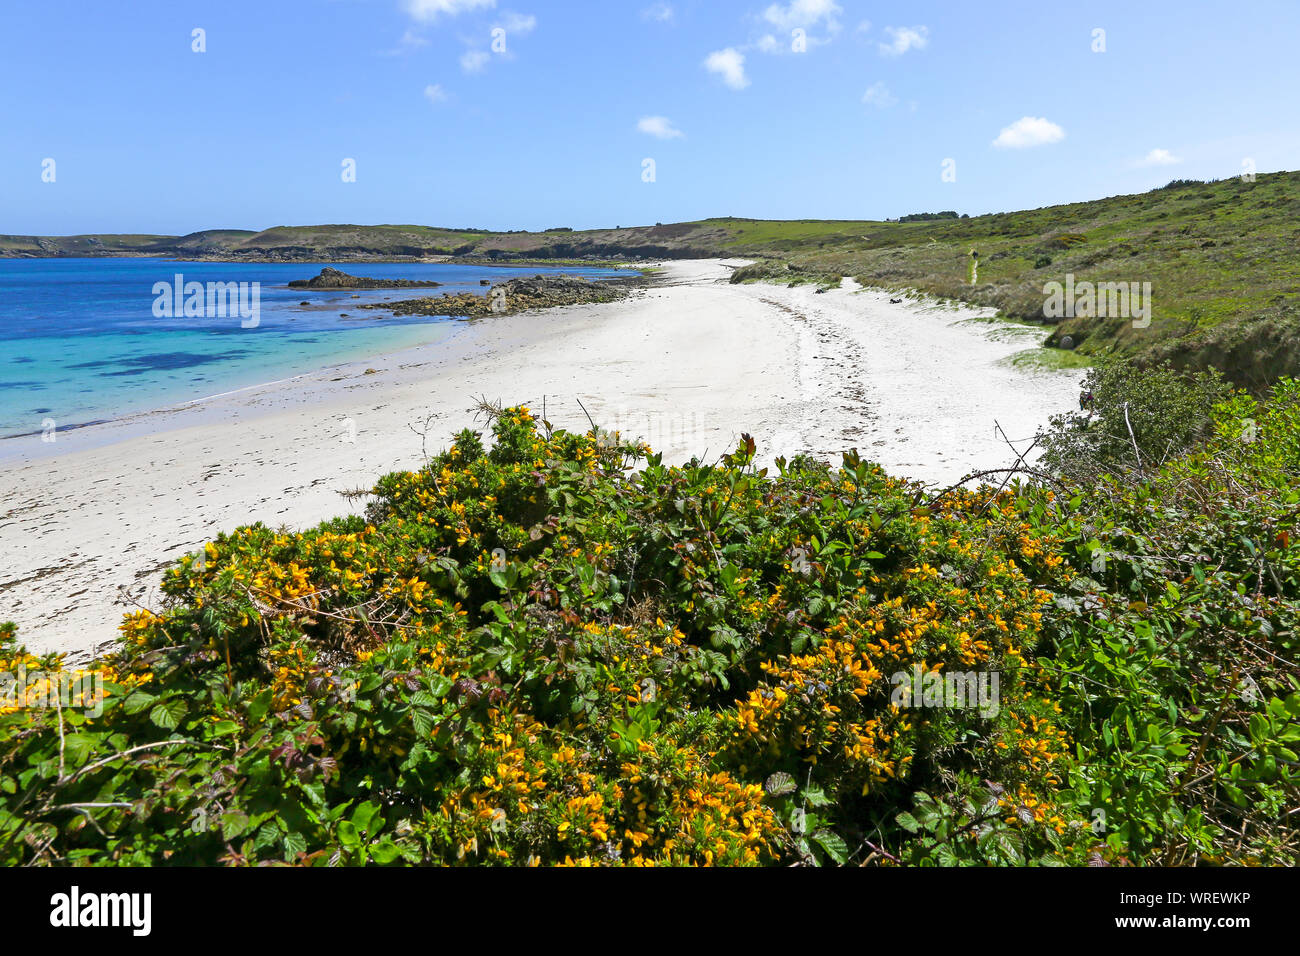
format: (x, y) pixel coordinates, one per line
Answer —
(47, 247)
(1221, 259)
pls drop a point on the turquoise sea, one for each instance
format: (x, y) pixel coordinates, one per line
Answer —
(80, 340)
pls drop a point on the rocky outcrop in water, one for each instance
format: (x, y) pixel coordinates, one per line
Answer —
(334, 279)
(513, 295)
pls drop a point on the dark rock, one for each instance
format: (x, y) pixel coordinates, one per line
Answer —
(513, 295)
(334, 279)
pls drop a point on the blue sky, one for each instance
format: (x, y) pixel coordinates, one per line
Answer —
(148, 135)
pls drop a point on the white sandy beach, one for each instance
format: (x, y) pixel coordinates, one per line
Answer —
(89, 522)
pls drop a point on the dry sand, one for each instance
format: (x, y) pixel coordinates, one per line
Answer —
(89, 522)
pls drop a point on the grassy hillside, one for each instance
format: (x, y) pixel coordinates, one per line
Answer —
(346, 242)
(1223, 260)
(40, 247)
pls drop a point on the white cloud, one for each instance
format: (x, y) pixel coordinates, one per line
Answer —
(730, 65)
(434, 93)
(432, 9)
(803, 13)
(878, 95)
(411, 39)
(1029, 131)
(1159, 157)
(767, 43)
(659, 12)
(409, 43)
(473, 61)
(864, 26)
(660, 127)
(518, 23)
(902, 39)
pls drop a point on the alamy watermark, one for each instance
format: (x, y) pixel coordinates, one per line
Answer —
(1118, 300)
(73, 909)
(54, 689)
(215, 300)
(968, 690)
(668, 433)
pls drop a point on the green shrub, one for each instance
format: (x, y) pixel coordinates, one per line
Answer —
(1175, 646)
(1136, 419)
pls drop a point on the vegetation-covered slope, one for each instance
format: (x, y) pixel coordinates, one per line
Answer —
(40, 247)
(536, 654)
(1223, 261)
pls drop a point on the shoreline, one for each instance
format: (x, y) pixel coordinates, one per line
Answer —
(373, 316)
(129, 421)
(688, 362)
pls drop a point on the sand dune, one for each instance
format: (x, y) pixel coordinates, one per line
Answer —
(90, 521)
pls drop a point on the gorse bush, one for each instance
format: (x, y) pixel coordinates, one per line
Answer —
(559, 650)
